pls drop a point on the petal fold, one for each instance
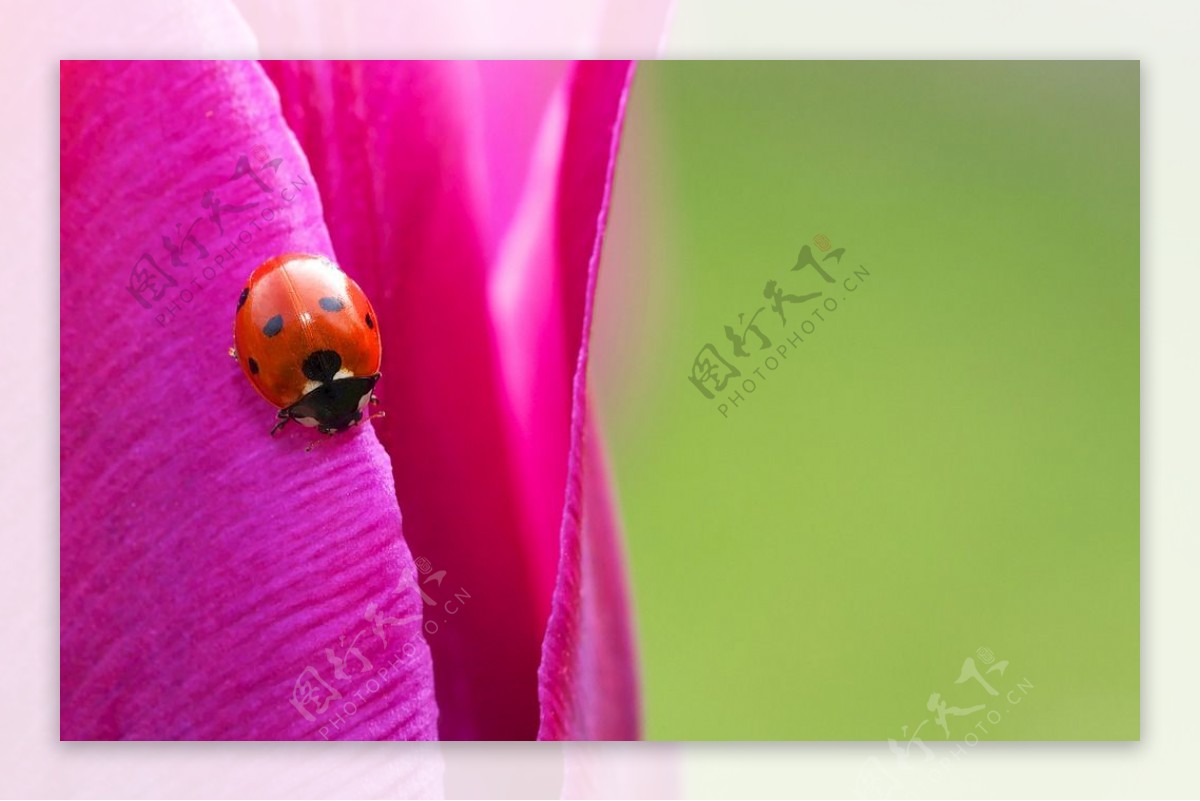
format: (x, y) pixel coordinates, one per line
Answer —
(587, 684)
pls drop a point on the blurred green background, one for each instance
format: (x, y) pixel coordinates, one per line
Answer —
(948, 462)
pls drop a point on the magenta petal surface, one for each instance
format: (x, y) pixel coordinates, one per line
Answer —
(467, 199)
(215, 582)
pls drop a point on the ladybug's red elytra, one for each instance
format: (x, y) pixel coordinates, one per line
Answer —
(307, 338)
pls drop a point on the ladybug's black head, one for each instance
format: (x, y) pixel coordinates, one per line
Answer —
(336, 404)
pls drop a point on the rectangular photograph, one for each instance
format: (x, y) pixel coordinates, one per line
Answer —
(600, 400)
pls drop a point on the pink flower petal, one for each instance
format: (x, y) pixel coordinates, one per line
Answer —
(467, 199)
(587, 681)
(395, 149)
(210, 573)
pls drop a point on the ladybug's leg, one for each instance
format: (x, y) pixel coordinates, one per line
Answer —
(329, 432)
(374, 398)
(283, 418)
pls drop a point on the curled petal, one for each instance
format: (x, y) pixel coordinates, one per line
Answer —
(397, 147)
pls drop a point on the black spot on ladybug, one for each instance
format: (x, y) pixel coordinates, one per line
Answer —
(253, 365)
(322, 365)
(331, 304)
(273, 326)
(370, 322)
(242, 298)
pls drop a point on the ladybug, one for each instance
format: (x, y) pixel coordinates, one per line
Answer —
(307, 338)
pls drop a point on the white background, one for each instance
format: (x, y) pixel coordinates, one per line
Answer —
(1162, 35)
